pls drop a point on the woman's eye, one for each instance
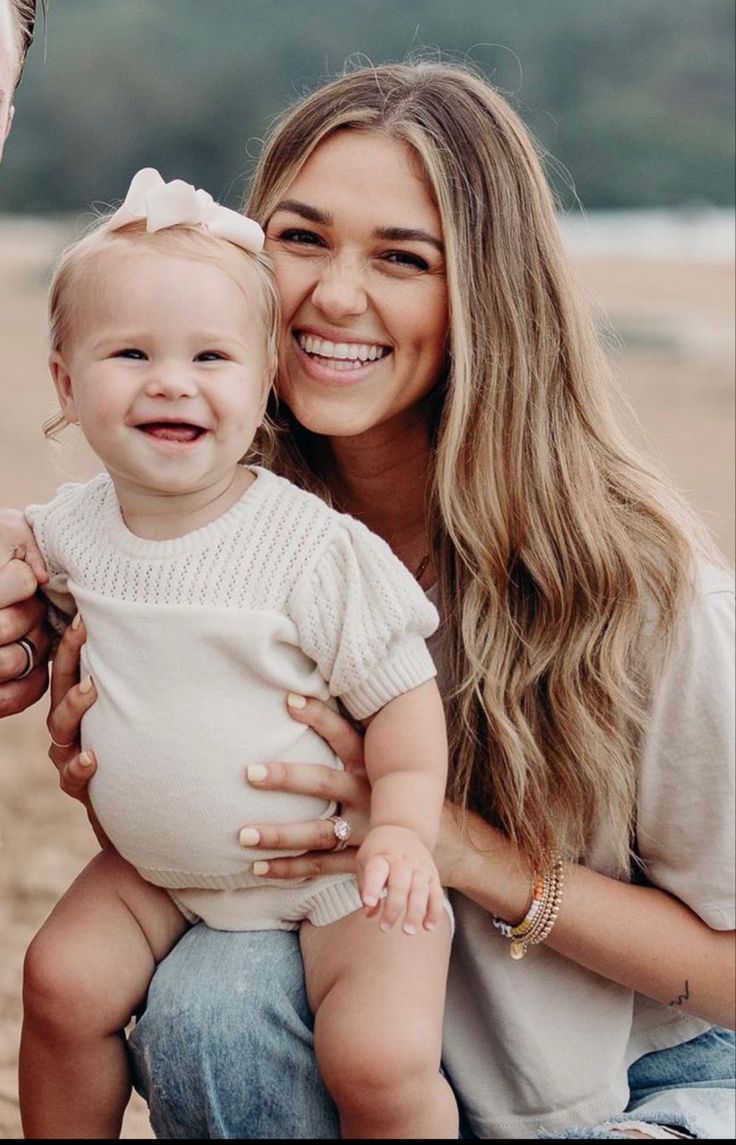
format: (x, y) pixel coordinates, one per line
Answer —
(131, 353)
(405, 258)
(299, 237)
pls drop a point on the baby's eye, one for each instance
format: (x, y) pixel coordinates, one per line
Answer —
(132, 353)
(210, 356)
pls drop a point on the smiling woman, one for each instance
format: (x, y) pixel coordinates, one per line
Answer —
(363, 291)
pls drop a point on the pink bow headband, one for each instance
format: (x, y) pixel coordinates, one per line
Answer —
(170, 204)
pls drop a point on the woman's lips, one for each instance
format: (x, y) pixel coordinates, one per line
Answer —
(336, 361)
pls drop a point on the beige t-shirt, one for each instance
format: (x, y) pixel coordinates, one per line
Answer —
(544, 1044)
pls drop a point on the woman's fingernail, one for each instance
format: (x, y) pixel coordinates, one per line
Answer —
(86, 685)
(77, 620)
(249, 837)
(85, 759)
(260, 867)
(256, 772)
(369, 900)
(409, 929)
(296, 701)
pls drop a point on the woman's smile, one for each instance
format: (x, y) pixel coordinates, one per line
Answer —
(324, 357)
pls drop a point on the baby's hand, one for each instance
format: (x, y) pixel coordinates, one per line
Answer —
(395, 860)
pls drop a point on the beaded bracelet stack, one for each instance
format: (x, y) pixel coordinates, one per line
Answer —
(537, 923)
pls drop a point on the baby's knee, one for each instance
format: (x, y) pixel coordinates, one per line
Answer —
(56, 992)
(364, 1077)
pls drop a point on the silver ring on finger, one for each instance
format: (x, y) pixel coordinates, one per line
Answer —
(62, 745)
(30, 650)
(342, 831)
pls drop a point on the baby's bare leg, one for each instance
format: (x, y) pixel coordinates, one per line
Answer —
(85, 973)
(378, 1000)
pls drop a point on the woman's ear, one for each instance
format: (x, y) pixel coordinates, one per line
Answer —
(63, 385)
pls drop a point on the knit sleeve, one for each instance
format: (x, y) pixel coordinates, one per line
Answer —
(363, 619)
(44, 521)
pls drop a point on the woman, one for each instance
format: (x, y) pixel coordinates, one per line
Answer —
(440, 381)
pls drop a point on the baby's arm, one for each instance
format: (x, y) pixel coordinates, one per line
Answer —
(406, 761)
(85, 974)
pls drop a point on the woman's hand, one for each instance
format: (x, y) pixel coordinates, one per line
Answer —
(350, 789)
(22, 615)
(70, 699)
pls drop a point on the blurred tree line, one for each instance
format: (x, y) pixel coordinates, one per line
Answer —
(631, 100)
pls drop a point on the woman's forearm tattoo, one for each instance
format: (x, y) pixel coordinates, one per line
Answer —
(682, 997)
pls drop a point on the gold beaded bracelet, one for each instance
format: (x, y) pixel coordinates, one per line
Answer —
(537, 923)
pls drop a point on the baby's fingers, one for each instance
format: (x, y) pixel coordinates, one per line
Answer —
(375, 875)
(417, 904)
(394, 903)
(435, 905)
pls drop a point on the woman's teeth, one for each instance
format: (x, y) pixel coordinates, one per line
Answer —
(340, 355)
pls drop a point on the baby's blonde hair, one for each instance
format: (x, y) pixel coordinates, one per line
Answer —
(180, 241)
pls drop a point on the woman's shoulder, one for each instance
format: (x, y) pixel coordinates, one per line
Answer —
(711, 579)
(708, 620)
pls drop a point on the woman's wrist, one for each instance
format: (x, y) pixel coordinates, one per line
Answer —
(486, 866)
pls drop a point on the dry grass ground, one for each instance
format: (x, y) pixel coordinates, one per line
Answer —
(676, 364)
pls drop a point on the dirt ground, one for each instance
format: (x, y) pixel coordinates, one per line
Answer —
(674, 354)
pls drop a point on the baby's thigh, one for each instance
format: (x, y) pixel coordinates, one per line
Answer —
(377, 996)
(94, 956)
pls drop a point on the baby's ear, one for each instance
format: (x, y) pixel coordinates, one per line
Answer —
(63, 385)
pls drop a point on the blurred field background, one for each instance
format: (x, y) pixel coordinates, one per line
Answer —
(634, 104)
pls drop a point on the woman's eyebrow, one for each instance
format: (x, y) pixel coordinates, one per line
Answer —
(409, 234)
(312, 214)
(392, 234)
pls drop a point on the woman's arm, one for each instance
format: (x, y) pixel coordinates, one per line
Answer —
(640, 937)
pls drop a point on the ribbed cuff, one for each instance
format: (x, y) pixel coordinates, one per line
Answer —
(401, 670)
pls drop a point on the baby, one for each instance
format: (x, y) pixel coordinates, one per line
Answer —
(210, 591)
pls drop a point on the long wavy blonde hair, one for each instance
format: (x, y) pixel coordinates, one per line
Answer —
(554, 544)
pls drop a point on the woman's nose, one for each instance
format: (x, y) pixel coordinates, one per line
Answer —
(340, 291)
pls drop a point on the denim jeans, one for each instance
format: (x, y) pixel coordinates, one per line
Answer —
(224, 1046)
(224, 1050)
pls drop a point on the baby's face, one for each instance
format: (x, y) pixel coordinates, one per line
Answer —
(164, 368)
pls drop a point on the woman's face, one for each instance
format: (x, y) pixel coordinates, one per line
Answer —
(357, 248)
